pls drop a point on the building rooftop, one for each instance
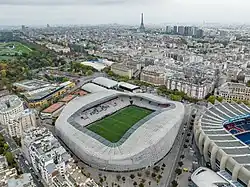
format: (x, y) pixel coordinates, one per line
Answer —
(128, 85)
(53, 107)
(29, 85)
(9, 102)
(22, 181)
(95, 64)
(41, 93)
(105, 82)
(92, 88)
(204, 177)
(67, 98)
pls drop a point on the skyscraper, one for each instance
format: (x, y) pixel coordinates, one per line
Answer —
(142, 28)
(175, 29)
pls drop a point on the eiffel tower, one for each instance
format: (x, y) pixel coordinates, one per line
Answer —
(142, 28)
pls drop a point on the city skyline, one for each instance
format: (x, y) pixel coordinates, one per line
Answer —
(29, 12)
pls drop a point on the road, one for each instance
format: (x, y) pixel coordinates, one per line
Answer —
(26, 168)
(172, 158)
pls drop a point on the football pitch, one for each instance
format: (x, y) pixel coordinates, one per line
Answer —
(114, 126)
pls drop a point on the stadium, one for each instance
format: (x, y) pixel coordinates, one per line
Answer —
(222, 134)
(117, 131)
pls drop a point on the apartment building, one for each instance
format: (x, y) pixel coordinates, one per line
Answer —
(45, 153)
(233, 91)
(24, 180)
(10, 106)
(18, 123)
(153, 75)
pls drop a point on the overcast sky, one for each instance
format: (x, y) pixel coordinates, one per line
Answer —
(39, 12)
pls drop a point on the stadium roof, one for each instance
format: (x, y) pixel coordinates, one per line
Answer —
(204, 177)
(128, 85)
(152, 131)
(105, 82)
(92, 88)
(212, 122)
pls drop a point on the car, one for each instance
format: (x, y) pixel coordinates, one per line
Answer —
(185, 169)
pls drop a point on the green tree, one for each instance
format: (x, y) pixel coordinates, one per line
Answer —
(211, 99)
(1, 150)
(141, 185)
(174, 183)
(180, 163)
(89, 72)
(132, 176)
(175, 97)
(9, 158)
(118, 177)
(248, 83)
(3, 73)
(65, 79)
(156, 169)
(6, 146)
(178, 171)
(220, 99)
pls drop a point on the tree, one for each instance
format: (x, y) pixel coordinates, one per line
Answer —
(132, 176)
(1, 150)
(159, 177)
(153, 175)
(89, 72)
(175, 97)
(178, 171)
(211, 99)
(156, 169)
(1, 137)
(118, 177)
(6, 146)
(182, 156)
(3, 73)
(174, 183)
(65, 79)
(139, 174)
(248, 83)
(135, 183)
(123, 178)
(141, 185)
(9, 158)
(220, 99)
(180, 163)
(147, 173)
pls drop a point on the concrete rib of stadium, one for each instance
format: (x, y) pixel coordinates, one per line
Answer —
(142, 145)
(223, 138)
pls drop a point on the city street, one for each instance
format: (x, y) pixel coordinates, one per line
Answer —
(171, 160)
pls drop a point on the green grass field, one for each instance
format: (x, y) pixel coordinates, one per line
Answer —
(7, 49)
(113, 127)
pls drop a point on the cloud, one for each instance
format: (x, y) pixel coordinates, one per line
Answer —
(63, 2)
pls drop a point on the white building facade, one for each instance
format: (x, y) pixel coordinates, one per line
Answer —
(45, 153)
(198, 91)
(233, 91)
(10, 106)
(25, 120)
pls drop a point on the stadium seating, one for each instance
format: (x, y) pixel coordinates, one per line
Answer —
(109, 107)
